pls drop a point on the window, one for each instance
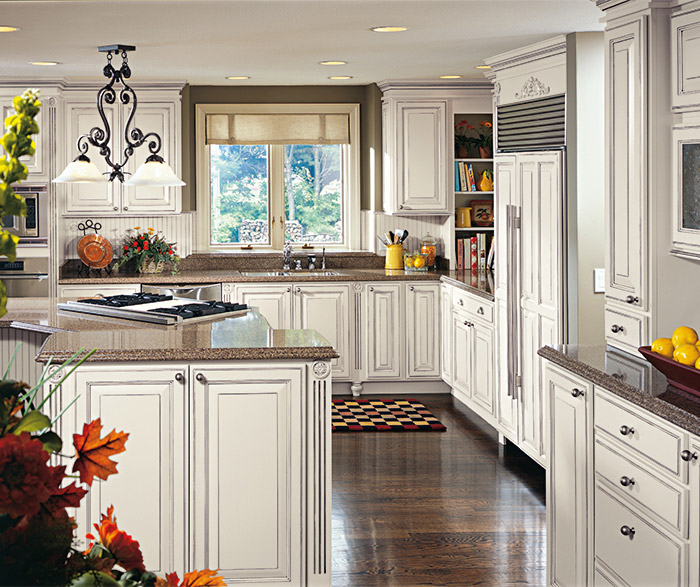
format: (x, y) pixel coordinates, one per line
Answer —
(263, 194)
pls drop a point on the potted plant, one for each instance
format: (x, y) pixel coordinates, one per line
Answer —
(149, 251)
(481, 137)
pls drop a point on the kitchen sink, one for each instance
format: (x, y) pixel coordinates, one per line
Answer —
(288, 273)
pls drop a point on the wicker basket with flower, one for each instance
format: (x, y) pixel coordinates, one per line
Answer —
(149, 251)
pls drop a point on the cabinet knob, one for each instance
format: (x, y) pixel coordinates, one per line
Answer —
(627, 531)
(126, 207)
(201, 378)
(460, 302)
(400, 206)
(632, 300)
(298, 290)
(615, 328)
(688, 456)
(412, 288)
(480, 310)
(116, 208)
(626, 430)
(576, 392)
(179, 377)
(371, 289)
(620, 376)
(289, 289)
(626, 481)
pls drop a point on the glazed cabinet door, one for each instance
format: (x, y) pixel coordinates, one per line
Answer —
(158, 117)
(274, 302)
(484, 371)
(383, 330)
(150, 403)
(446, 333)
(462, 355)
(626, 201)
(90, 198)
(328, 309)
(423, 330)
(569, 496)
(507, 407)
(246, 472)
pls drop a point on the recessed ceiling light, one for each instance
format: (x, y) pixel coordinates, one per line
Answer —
(332, 62)
(5, 28)
(483, 67)
(340, 77)
(234, 77)
(43, 63)
(450, 76)
(388, 29)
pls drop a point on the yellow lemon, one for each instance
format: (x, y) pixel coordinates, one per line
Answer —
(662, 346)
(687, 354)
(408, 261)
(419, 262)
(697, 364)
(684, 335)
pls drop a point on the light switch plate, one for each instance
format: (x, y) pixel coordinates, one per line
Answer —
(599, 281)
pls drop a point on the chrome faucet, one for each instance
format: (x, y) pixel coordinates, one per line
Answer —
(286, 257)
(323, 260)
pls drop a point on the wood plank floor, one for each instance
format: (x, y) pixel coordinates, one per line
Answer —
(450, 508)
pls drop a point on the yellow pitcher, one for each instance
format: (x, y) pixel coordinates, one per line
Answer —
(486, 183)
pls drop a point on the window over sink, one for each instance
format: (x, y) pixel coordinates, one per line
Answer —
(270, 174)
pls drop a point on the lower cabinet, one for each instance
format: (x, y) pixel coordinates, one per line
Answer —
(273, 301)
(446, 333)
(381, 331)
(462, 356)
(423, 330)
(227, 465)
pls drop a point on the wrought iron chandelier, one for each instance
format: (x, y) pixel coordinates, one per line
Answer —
(154, 171)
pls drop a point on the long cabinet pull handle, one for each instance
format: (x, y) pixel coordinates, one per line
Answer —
(626, 430)
(627, 531)
(576, 392)
(201, 378)
(626, 481)
(688, 456)
(179, 377)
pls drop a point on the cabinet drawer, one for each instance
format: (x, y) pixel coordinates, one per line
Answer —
(642, 433)
(667, 502)
(626, 331)
(479, 308)
(648, 556)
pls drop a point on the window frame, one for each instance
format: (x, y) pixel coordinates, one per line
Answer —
(351, 183)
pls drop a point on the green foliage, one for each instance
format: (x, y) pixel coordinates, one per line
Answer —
(17, 142)
(140, 248)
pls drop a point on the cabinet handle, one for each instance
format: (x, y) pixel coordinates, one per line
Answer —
(400, 206)
(615, 328)
(116, 208)
(201, 378)
(626, 481)
(412, 288)
(298, 290)
(371, 289)
(179, 377)
(625, 430)
(627, 531)
(126, 207)
(289, 289)
(576, 392)
(619, 376)
(632, 300)
(688, 456)
(460, 302)
(480, 310)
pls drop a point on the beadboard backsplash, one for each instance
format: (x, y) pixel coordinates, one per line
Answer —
(178, 229)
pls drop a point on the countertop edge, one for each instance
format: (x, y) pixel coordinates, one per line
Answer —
(466, 287)
(656, 406)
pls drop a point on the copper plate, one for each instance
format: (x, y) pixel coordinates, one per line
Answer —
(95, 251)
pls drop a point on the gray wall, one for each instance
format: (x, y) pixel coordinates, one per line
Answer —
(368, 97)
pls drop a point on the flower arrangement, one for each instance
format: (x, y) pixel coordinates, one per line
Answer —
(149, 250)
(17, 142)
(36, 531)
(466, 135)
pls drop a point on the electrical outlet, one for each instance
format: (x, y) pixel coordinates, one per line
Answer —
(599, 281)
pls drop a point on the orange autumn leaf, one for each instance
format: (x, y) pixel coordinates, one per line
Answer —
(125, 551)
(203, 578)
(93, 452)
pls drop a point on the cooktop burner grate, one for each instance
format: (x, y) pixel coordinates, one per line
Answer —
(125, 300)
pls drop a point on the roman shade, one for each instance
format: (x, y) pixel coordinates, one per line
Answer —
(277, 129)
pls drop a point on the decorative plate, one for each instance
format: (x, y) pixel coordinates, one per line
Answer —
(95, 251)
(681, 376)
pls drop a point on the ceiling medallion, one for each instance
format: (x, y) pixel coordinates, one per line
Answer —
(532, 88)
(154, 171)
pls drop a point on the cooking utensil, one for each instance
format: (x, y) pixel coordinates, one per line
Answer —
(94, 249)
(404, 236)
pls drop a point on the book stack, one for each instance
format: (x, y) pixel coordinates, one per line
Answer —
(464, 177)
(476, 253)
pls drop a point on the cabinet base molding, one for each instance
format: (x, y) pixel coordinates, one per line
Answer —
(398, 388)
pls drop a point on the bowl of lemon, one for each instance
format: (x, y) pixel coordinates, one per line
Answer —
(678, 358)
(415, 261)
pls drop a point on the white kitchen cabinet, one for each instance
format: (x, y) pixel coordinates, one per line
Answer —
(150, 403)
(446, 333)
(484, 369)
(685, 69)
(274, 301)
(423, 330)
(247, 503)
(507, 407)
(328, 308)
(159, 114)
(569, 474)
(462, 358)
(382, 325)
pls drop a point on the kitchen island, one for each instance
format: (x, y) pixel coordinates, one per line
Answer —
(227, 465)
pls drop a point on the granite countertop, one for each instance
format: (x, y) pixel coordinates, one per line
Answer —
(480, 284)
(244, 337)
(600, 364)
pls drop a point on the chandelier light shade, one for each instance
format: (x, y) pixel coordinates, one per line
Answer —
(154, 171)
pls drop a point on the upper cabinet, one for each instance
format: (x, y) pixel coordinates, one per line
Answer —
(157, 112)
(685, 69)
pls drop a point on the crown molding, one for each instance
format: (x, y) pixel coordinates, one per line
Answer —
(535, 52)
(467, 84)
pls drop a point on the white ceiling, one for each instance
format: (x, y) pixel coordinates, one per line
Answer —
(278, 42)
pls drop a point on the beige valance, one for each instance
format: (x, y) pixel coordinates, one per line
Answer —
(277, 129)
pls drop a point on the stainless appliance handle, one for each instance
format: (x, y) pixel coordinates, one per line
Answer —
(512, 225)
(37, 276)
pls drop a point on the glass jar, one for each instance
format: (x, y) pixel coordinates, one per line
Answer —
(428, 246)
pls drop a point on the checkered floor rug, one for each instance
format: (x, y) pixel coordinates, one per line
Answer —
(404, 415)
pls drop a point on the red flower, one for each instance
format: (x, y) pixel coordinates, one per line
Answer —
(126, 247)
(125, 550)
(145, 246)
(138, 249)
(170, 252)
(25, 479)
(470, 127)
(136, 244)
